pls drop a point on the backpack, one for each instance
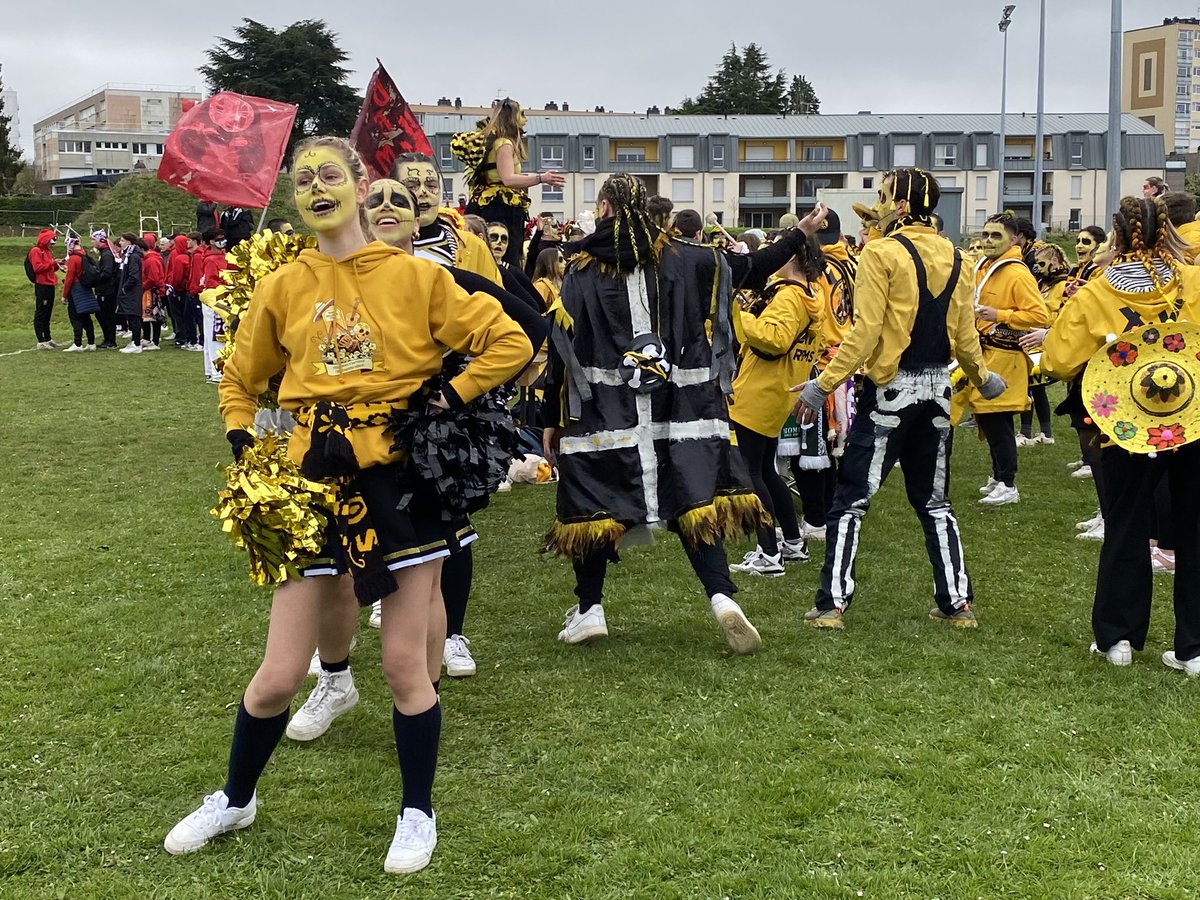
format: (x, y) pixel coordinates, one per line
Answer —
(29, 273)
(90, 276)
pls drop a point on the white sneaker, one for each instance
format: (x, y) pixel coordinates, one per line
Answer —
(54, 345)
(131, 348)
(74, 348)
(740, 634)
(1001, 496)
(580, 628)
(412, 847)
(812, 532)
(1095, 533)
(457, 658)
(334, 694)
(1043, 439)
(1091, 523)
(44, 345)
(758, 562)
(1023, 441)
(90, 348)
(989, 487)
(214, 817)
(1075, 465)
(794, 551)
(146, 345)
(1119, 654)
(1189, 667)
(1162, 562)
(1082, 472)
(376, 619)
(504, 487)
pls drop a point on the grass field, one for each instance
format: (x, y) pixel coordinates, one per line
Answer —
(897, 759)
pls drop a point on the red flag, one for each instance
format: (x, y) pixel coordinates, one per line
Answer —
(386, 127)
(228, 149)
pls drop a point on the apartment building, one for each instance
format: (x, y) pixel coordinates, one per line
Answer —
(115, 129)
(1161, 82)
(750, 170)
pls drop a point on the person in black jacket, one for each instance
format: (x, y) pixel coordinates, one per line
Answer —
(129, 288)
(106, 290)
(238, 224)
(207, 216)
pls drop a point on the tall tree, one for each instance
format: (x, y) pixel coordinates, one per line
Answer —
(11, 162)
(744, 84)
(300, 64)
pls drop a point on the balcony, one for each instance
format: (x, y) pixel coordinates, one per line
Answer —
(764, 198)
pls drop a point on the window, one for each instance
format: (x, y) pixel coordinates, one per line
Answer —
(980, 217)
(759, 188)
(74, 146)
(1076, 187)
(760, 220)
(446, 156)
(868, 156)
(948, 181)
(1075, 222)
(1181, 108)
(61, 189)
(683, 158)
(589, 190)
(1184, 71)
(158, 149)
(141, 149)
(551, 194)
(683, 190)
(552, 156)
(981, 187)
(589, 157)
(1185, 36)
(111, 171)
(631, 154)
(447, 191)
(810, 186)
(718, 190)
(945, 155)
(1018, 151)
(1077, 150)
(1018, 185)
(760, 154)
(904, 155)
(868, 184)
(818, 154)
(718, 156)
(1147, 75)
(981, 156)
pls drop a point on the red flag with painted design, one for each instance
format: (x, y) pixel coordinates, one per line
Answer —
(228, 149)
(386, 126)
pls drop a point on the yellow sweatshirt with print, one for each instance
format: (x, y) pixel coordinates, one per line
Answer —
(1099, 310)
(1013, 292)
(789, 329)
(838, 318)
(885, 308)
(369, 328)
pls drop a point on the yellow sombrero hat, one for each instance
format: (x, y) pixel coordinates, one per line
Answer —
(1140, 389)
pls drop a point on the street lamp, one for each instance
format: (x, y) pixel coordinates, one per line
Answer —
(1005, 20)
(1039, 139)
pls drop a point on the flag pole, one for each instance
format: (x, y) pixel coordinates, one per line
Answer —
(261, 219)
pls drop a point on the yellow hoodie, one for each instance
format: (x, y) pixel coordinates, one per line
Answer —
(837, 287)
(1190, 232)
(369, 328)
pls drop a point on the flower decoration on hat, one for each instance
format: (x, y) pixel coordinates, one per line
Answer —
(1125, 431)
(1166, 436)
(1174, 343)
(1123, 354)
(1150, 336)
(1103, 404)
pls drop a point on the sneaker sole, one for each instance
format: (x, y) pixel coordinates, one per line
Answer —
(305, 734)
(408, 868)
(750, 570)
(1180, 667)
(184, 849)
(462, 672)
(741, 636)
(592, 633)
(955, 623)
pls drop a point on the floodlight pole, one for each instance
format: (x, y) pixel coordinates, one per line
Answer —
(1005, 20)
(1039, 154)
(1112, 194)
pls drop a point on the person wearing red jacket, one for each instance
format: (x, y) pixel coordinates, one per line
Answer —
(45, 272)
(154, 279)
(178, 261)
(79, 298)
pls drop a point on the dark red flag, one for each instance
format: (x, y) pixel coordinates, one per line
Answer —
(386, 127)
(228, 149)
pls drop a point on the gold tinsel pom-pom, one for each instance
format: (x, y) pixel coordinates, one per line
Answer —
(273, 512)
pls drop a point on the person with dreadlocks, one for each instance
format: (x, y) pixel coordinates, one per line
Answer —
(913, 312)
(1146, 284)
(1050, 268)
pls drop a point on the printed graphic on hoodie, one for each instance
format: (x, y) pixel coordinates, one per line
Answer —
(344, 340)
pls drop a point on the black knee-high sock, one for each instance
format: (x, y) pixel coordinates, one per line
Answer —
(457, 572)
(417, 739)
(333, 667)
(254, 740)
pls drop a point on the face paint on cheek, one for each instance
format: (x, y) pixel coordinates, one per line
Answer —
(325, 191)
(390, 215)
(996, 243)
(498, 241)
(422, 179)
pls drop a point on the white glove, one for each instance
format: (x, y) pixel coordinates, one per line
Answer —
(811, 396)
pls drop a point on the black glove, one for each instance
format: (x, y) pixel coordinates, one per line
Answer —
(239, 439)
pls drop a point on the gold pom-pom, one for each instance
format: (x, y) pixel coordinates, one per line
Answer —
(273, 512)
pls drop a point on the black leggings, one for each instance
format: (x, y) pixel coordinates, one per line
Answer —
(815, 487)
(1041, 406)
(758, 451)
(456, 588)
(1002, 442)
(151, 331)
(81, 322)
(1089, 449)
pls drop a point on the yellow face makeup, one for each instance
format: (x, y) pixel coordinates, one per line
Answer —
(498, 241)
(996, 240)
(391, 213)
(1085, 247)
(422, 179)
(326, 195)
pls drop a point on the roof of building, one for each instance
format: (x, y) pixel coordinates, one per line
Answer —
(820, 126)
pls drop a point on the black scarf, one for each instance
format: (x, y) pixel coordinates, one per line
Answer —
(623, 249)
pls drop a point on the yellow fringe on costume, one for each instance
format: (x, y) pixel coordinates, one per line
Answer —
(729, 517)
(579, 539)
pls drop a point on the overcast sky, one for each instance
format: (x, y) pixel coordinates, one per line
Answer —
(915, 56)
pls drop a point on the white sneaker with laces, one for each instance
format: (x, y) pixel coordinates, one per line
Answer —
(812, 532)
(90, 348)
(147, 345)
(1023, 441)
(314, 664)
(214, 817)
(759, 563)
(989, 487)
(1073, 466)
(1162, 562)
(412, 847)
(376, 619)
(794, 551)
(43, 345)
(580, 628)
(1089, 524)
(741, 636)
(1189, 667)
(334, 695)
(1082, 472)
(1043, 439)
(74, 348)
(457, 658)
(131, 348)
(1095, 533)
(1119, 654)
(1002, 495)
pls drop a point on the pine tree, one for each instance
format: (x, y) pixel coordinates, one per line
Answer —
(744, 84)
(11, 162)
(801, 98)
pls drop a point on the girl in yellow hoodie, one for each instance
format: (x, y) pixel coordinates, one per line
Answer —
(350, 355)
(1145, 284)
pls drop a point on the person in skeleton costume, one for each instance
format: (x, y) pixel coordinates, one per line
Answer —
(913, 311)
(1051, 269)
(636, 391)
(1008, 303)
(515, 279)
